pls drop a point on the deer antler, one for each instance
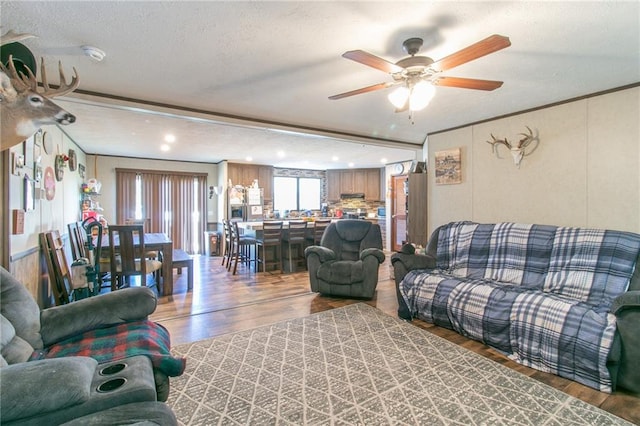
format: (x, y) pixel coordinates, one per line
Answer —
(528, 138)
(30, 82)
(11, 37)
(495, 142)
(64, 88)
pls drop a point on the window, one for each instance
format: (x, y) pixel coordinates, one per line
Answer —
(291, 193)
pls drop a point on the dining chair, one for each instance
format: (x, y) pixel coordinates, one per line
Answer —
(295, 240)
(226, 256)
(78, 247)
(65, 286)
(126, 246)
(319, 225)
(241, 246)
(146, 223)
(271, 241)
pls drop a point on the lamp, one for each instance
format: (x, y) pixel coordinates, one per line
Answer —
(418, 95)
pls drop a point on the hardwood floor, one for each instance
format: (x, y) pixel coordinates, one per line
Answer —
(223, 303)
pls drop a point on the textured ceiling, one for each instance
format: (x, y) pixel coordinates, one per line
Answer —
(217, 73)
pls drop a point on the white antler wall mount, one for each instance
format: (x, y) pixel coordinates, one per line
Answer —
(518, 149)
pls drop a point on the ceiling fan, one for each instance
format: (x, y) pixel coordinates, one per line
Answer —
(417, 75)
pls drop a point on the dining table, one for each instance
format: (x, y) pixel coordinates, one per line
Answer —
(155, 241)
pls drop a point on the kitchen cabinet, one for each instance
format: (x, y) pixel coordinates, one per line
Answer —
(265, 179)
(417, 209)
(352, 181)
(333, 185)
(372, 188)
(245, 174)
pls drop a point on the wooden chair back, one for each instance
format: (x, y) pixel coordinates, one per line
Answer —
(126, 244)
(318, 230)
(59, 272)
(77, 238)
(297, 231)
(271, 233)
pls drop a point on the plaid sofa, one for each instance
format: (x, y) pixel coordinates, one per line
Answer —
(558, 299)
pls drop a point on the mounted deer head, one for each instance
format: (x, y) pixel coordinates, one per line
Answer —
(518, 150)
(22, 108)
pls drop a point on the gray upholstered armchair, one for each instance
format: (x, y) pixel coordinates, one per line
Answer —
(346, 261)
(39, 389)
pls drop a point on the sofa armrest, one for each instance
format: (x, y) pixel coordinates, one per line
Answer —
(130, 304)
(404, 262)
(324, 254)
(626, 307)
(377, 253)
(38, 387)
(628, 300)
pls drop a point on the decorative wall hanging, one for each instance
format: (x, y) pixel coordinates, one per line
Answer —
(47, 142)
(49, 184)
(73, 161)
(29, 194)
(449, 167)
(60, 164)
(81, 170)
(518, 149)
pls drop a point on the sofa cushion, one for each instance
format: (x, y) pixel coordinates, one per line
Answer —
(31, 380)
(592, 265)
(510, 253)
(341, 272)
(13, 348)
(562, 336)
(19, 307)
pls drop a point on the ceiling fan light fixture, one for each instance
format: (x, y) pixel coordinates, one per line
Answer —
(398, 97)
(421, 95)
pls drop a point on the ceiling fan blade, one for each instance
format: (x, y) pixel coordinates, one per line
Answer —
(372, 61)
(467, 83)
(362, 90)
(477, 50)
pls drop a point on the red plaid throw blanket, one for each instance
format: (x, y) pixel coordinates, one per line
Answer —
(118, 342)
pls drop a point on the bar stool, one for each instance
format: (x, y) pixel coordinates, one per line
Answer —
(240, 248)
(226, 257)
(318, 231)
(295, 239)
(271, 239)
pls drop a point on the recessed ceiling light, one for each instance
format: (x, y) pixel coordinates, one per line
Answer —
(351, 164)
(169, 138)
(281, 154)
(335, 158)
(383, 160)
(249, 159)
(164, 147)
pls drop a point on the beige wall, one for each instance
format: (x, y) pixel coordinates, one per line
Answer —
(585, 171)
(48, 214)
(103, 168)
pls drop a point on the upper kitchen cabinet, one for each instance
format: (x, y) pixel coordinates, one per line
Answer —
(333, 185)
(245, 174)
(354, 181)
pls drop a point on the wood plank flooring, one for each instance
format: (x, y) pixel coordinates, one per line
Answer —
(222, 303)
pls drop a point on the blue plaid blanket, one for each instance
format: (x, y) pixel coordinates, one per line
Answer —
(540, 294)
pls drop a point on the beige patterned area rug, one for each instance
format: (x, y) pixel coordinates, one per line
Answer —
(358, 366)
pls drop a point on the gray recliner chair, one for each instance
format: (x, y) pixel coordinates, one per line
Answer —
(347, 260)
(53, 391)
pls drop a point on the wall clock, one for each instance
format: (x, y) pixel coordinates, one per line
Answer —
(398, 169)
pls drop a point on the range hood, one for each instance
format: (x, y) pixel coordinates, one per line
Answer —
(352, 196)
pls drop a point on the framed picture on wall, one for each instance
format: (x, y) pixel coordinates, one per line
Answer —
(448, 166)
(29, 193)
